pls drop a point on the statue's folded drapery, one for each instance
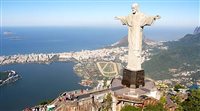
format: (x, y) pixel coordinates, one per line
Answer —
(135, 23)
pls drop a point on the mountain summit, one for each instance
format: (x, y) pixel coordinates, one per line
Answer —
(124, 42)
(197, 30)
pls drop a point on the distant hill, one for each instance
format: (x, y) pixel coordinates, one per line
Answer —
(124, 42)
(183, 54)
(121, 43)
(191, 38)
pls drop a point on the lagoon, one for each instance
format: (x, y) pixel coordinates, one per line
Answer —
(39, 82)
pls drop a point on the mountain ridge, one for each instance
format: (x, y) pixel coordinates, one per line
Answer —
(182, 55)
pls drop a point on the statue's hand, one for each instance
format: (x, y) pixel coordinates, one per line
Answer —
(157, 17)
(117, 18)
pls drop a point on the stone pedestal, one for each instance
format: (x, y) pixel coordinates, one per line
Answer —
(133, 79)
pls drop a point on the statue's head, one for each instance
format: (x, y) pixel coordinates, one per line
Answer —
(135, 8)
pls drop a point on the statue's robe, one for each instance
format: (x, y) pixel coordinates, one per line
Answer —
(135, 23)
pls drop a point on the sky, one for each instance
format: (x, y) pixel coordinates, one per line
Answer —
(100, 13)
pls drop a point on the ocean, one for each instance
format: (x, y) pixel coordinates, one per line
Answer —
(23, 40)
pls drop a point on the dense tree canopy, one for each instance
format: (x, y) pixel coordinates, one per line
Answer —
(130, 108)
(193, 101)
(177, 87)
(157, 107)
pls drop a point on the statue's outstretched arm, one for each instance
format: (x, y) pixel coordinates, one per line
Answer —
(122, 19)
(118, 17)
(150, 19)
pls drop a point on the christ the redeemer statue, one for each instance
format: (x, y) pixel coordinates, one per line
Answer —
(135, 22)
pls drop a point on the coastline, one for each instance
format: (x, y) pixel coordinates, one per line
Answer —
(12, 76)
(86, 61)
(99, 54)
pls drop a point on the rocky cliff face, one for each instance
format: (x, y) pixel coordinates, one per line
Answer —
(197, 30)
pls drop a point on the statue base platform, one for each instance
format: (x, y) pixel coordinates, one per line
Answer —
(133, 79)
